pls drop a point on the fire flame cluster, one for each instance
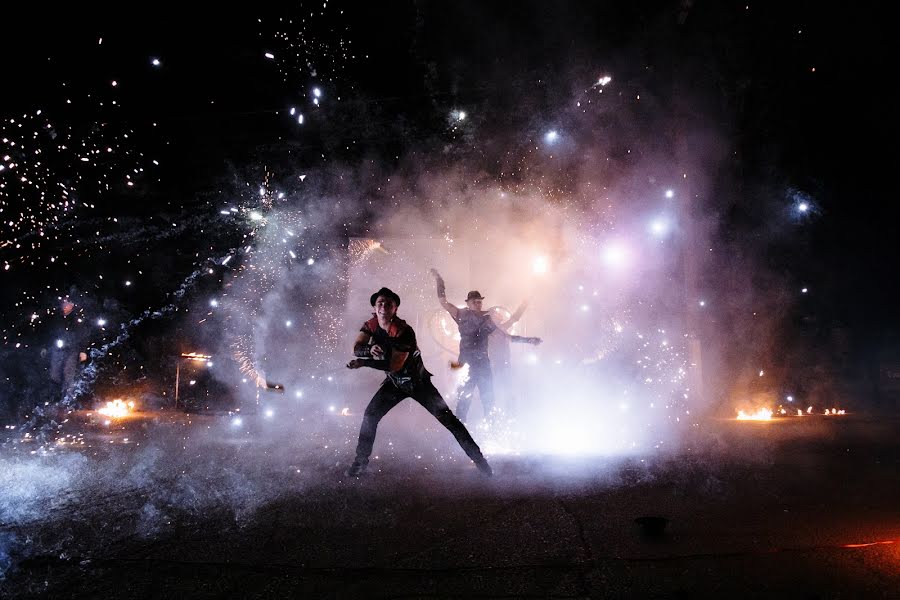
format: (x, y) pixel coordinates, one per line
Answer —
(762, 414)
(765, 414)
(117, 408)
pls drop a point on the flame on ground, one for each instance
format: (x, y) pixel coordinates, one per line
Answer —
(117, 408)
(762, 414)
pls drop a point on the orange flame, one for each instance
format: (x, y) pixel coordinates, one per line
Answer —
(117, 409)
(762, 414)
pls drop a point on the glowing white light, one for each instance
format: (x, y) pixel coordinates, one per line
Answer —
(127, 283)
(269, 55)
(615, 255)
(585, 308)
(331, 408)
(540, 265)
(236, 422)
(532, 359)
(298, 393)
(603, 81)
(804, 290)
(790, 398)
(101, 322)
(193, 381)
(270, 413)
(287, 323)
(60, 343)
(803, 207)
(551, 136)
(293, 111)
(761, 372)
(300, 122)
(659, 227)
(155, 62)
(209, 363)
(255, 216)
(214, 303)
(670, 193)
(262, 191)
(317, 92)
(703, 303)
(461, 116)
(310, 261)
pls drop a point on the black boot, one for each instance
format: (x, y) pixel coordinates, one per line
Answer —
(484, 467)
(358, 468)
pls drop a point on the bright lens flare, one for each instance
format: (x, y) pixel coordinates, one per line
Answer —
(540, 265)
(615, 256)
(659, 227)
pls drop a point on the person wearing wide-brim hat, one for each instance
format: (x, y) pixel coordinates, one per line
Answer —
(387, 343)
(475, 327)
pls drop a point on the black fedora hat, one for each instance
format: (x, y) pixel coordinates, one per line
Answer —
(387, 293)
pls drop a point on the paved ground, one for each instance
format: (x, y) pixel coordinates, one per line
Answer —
(755, 510)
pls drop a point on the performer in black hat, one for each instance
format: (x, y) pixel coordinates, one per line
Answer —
(475, 325)
(387, 343)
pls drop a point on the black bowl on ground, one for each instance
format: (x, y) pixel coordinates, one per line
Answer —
(652, 526)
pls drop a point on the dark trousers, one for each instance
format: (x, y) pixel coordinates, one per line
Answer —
(480, 376)
(389, 395)
(503, 387)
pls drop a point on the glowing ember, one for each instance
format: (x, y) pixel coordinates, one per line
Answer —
(835, 411)
(762, 414)
(866, 545)
(117, 409)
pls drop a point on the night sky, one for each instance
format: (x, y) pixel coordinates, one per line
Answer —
(794, 102)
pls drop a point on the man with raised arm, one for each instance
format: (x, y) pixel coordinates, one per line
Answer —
(475, 326)
(387, 343)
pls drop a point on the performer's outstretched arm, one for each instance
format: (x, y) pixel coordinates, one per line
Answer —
(519, 339)
(442, 294)
(515, 317)
(398, 359)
